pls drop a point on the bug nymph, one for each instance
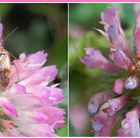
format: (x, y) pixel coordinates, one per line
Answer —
(132, 69)
(5, 65)
(135, 66)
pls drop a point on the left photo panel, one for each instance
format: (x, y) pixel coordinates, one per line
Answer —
(33, 70)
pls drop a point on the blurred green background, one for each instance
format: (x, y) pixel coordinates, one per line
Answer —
(85, 82)
(40, 27)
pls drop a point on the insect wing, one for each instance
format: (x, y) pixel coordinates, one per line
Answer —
(5, 63)
(4, 69)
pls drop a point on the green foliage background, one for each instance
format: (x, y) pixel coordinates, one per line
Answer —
(85, 82)
(40, 27)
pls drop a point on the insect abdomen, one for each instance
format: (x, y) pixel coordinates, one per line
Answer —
(4, 78)
(132, 69)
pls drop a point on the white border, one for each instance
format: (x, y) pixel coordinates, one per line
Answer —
(68, 106)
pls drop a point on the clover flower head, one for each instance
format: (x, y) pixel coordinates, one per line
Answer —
(29, 104)
(105, 108)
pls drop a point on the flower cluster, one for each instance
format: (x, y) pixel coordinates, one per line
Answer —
(28, 106)
(105, 110)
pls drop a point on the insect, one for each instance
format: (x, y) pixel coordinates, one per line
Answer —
(132, 69)
(5, 62)
(5, 66)
(135, 66)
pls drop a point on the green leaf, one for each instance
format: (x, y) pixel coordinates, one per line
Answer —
(83, 13)
(63, 132)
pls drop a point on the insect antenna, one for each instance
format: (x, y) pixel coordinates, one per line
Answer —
(6, 38)
(12, 56)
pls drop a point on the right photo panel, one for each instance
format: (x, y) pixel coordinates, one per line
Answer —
(104, 69)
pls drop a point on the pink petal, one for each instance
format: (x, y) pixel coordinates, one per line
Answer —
(114, 105)
(37, 59)
(108, 127)
(103, 124)
(118, 86)
(8, 124)
(131, 82)
(27, 65)
(137, 33)
(102, 32)
(121, 59)
(94, 59)
(24, 101)
(97, 126)
(130, 125)
(9, 109)
(137, 41)
(40, 117)
(59, 124)
(1, 134)
(40, 92)
(55, 115)
(12, 133)
(41, 77)
(32, 116)
(135, 127)
(123, 132)
(1, 34)
(110, 16)
(103, 121)
(16, 89)
(19, 70)
(36, 130)
(56, 95)
(112, 27)
(96, 101)
(99, 121)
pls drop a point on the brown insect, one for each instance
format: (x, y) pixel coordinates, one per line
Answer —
(5, 70)
(5, 62)
(135, 66)
(133, 69)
